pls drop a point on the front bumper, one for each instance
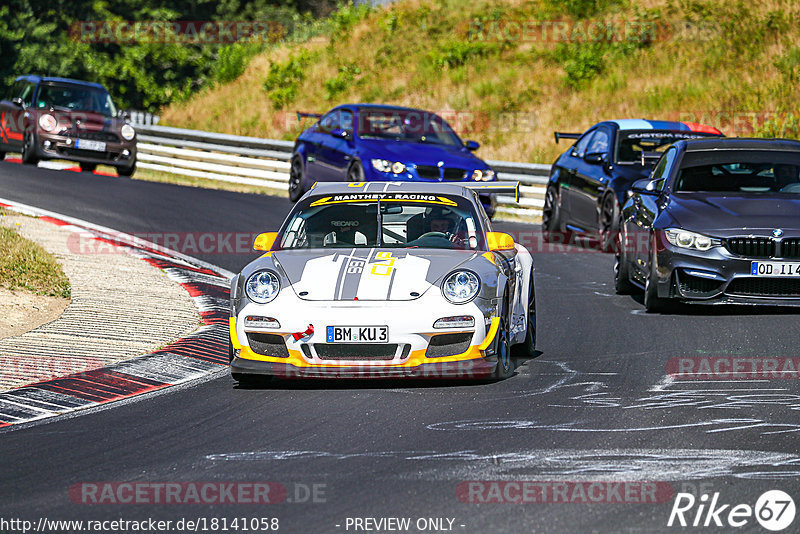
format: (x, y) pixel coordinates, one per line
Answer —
(717, 276)
(58, 146)
(291, 351)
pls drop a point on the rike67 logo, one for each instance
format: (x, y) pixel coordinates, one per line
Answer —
(774, 510)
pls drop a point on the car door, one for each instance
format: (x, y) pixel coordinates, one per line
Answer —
(12, 115)
(591, 180)
(316, 167)
(568, 171)
(337, 151)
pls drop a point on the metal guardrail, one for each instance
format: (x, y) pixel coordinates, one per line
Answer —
(265, 162)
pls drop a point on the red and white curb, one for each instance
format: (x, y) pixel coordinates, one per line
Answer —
(195, 356)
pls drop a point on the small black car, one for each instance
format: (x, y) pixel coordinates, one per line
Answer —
(590, 181)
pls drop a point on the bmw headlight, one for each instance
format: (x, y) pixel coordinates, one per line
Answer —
(461, 287)
(47, 122)
(384, 165)
(483, 175)
(127, 132)
(691, 240)
(262, 286)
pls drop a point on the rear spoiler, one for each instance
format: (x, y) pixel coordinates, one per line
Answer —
(495, 187)
(566, 135)
(302, 114)
(651, 156)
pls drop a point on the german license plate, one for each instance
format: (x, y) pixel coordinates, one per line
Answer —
(357, 334)
(87, 144)
(775, 269)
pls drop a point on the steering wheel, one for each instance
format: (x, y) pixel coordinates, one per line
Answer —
(440, 235)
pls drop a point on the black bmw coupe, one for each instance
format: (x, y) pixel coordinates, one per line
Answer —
(717, 222)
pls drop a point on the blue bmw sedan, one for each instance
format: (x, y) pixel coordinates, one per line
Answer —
(370, 142)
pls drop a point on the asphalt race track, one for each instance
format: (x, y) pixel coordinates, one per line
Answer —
(595, 405)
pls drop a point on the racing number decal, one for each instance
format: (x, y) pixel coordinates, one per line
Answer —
(385, 265)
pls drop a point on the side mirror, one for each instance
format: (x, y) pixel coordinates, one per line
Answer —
(499, 241)
(17, 101)
(265, 241)
(595, 158)
(472, 146)
(339, 133)
(645, 185)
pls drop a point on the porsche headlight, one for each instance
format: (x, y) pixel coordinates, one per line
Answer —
(47, 122)
(690, 240)
(262, 286)
(483, 175)
(384, 165)
(127, 132)
(460, 287)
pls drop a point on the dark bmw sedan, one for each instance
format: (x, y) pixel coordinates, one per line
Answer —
(717, 222)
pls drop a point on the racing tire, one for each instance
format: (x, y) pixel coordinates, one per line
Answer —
(652, 302)
(505, 365)
(29, 149)
(88, 167)
(551, 214)
(355, 173)
(608, 223)
(127, 171)
(296, 179)
(622, 274)
(527, 349)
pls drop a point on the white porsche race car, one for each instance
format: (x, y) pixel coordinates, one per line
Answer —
(385, 279)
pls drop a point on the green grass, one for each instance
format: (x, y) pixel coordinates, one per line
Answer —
(26, 265)
(704, 57)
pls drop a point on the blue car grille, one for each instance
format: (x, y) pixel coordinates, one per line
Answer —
(450, 174)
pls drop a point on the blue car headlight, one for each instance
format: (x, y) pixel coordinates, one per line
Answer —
(460, 287)
(483, 175)
(262, 286)
(384, 165)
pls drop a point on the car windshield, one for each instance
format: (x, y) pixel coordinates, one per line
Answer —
(405, 221)
(631, 143)
(72, 97)
(414, 126)
(740, 172)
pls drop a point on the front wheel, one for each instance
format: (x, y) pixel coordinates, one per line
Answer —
(609, 227)
(127, 171)
(551, 214)
(29, 149)
(296, 179)
(527, 349)
(505, 366)
(622, 276)
(355, 173)
(652, 302)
